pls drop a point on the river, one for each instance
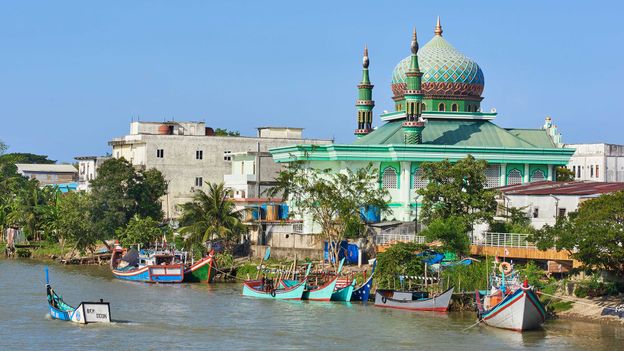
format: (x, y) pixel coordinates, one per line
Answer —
(216, 316)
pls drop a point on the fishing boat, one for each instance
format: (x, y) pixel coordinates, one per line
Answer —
(148, 266)
(201, 271)
(362, 293)
(344, 290)
(509, 304)
(413, 300)
(86, 312)
(265, 288)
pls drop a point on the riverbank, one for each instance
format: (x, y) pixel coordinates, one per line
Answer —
(590, 310)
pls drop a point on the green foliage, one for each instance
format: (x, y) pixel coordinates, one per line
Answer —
(141, 231)
(247, 270)
(224, 259)
(451, 232)
(594, 287)
(457, 190)
(467, 278)
(18, 157)
(211, 215)
(23, 253)
(594, 235)
(225, 132)
(564, 174)
(333, 200)
(398, 259)
(119, 192)
(73, 223)
(516, 221)
(3, 147)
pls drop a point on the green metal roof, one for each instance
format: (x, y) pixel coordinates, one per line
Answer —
(536, 137)
(468, 133)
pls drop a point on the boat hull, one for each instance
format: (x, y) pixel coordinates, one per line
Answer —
(153, 274)
(201, 272)
(439, 303)
(322, 293)
(253, 288)
(344, 294)
(519, 311)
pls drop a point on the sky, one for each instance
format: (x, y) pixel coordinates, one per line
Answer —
(74, 74)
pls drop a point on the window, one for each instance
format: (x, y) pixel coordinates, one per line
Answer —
(514, 177)
(538, 176)
(591, 171)
(418, 180)
(389, 179)
(574, 170)
(199, 181)
(597, 176)
(561, 212)
(492, 176)
(227, 156)
(441, 107)
(160, 153)
(578, 172)
(199, 155)
(535, 212)
(454, 107)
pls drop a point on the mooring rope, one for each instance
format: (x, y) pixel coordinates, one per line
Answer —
(571, 299)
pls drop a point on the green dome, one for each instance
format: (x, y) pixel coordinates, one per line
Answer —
(446, 72)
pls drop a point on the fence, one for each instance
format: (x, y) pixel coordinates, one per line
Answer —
(502, 240)
(387, 239)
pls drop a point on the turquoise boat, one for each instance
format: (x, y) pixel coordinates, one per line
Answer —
(263, 288)
(344, 293)
(320, 293)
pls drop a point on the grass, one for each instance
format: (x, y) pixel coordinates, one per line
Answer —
(47, 250)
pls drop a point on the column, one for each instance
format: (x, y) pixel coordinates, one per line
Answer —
(551, 173)
(526, 173)
(503, 174)
(405, 189)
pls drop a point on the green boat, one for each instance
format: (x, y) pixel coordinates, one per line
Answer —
(263, 288)
(344, 293)
(202, 271)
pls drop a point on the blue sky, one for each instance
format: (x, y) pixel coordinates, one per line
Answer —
(74, 73)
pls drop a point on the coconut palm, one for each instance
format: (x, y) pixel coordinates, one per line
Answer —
(211, 215)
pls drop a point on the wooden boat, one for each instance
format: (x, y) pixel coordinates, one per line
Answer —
(413, 301)
(362, 293)
(201, 271)
(156, 267)
(264, 288)
(86, 312)
(344, 290)
(510, 305)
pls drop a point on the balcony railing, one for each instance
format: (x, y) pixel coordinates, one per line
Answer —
(387, 239)
(502, 240)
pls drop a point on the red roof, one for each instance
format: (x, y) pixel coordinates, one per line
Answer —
(562, 188)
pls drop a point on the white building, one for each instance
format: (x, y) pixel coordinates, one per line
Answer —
(189, 154)
(245, 181)
(87, 169)
(597, 162)
(48, 174)
(545, 201)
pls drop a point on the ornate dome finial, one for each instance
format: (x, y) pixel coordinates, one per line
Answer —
(365, 61)
(414, 45)
(438, 29)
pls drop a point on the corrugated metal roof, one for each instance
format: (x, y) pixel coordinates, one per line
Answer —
(537, 137)
(471, 133)
(562, 188)
(51, 168)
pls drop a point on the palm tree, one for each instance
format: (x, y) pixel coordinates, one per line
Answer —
(211, 215)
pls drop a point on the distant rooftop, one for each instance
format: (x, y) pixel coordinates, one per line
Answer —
(563, 188)
(48, 168)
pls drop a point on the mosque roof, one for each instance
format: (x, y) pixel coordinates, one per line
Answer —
(470, 133)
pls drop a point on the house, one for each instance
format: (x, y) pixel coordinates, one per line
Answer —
(48, 174)
(597, 162)
(87, 169)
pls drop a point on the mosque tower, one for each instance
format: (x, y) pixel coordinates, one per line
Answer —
(413, 95)
(365, 101)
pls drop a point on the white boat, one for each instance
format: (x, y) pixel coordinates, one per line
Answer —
(509, 305)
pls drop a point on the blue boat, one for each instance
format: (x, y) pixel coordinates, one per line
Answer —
(155, 267)
(86, 312)
(363, 292)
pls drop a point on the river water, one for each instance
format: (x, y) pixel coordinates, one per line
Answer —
(216, 316)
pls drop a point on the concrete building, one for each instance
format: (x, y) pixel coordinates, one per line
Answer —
(244, 181)
(189, 154)
(545, 201)
(597, 162)
(48, 174)
(87, 169)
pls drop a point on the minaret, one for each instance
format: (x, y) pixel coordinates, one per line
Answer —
(438, 29)
(414, 124)
(365, 101)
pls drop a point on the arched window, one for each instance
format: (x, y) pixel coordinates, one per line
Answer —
(389, 179)
(538, 176)
(514, 177)
(454, 107)
(418, 179)
(441, 107)
(492, 176)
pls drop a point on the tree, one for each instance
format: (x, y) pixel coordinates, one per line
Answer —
(451, 232)
(516, 220)
(333, 200)
(141, 230)
(457, 190)
(564, 174)
(594, 235)
(211, 215)
(74, 222)
(3, 147)
(120, 191)
(399, 259)
(225, 132)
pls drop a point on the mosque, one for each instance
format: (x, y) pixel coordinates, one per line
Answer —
(437, 93)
